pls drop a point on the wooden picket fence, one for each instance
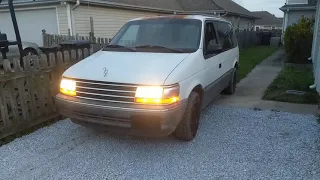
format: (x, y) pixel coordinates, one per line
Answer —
(27, 94)
(50, 40)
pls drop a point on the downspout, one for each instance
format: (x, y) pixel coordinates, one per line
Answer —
(76, 5)
(71, 17)
(224, 14)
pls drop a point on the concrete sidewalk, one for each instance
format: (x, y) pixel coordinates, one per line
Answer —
(251, 89)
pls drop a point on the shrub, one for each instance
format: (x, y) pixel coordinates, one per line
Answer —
(298, 41)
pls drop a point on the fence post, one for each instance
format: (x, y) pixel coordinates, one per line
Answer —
(44, 38)
(91, 34)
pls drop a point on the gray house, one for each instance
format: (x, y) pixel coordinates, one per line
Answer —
(62, 16)
(267, 21)
(295, 9)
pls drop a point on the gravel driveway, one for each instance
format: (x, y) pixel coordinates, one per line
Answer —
(232, 144)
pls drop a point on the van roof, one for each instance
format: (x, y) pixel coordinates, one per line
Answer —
(184, 16)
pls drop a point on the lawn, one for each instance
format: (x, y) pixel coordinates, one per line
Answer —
(250, 57)
(291, 78)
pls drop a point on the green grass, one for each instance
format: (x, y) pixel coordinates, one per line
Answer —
(250, 57)
(291, 78)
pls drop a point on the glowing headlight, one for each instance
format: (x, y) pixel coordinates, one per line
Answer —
(157, 95)
(68, 87)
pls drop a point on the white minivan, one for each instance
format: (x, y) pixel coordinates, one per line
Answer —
(154, 77)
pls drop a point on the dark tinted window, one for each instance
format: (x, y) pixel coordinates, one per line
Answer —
(180, 34)
(225, 34)
(210, 37)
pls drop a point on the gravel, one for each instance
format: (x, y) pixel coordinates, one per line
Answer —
(231, 144)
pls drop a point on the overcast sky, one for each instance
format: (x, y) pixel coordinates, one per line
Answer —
(266, 5)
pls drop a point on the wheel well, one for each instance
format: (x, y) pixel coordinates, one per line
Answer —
(30, 49)
(198, 89)
(236, 65)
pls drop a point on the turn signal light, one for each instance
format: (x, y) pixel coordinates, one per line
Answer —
(167, 101)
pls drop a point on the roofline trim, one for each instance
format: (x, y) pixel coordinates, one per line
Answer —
(33, 3)
(284, 8)
(128, 6)
(243, 15)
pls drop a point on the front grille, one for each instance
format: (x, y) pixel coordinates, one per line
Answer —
(105, 91)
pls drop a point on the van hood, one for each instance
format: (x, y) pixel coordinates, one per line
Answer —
(127, 67)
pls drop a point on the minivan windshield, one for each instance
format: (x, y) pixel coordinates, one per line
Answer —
(158, 35)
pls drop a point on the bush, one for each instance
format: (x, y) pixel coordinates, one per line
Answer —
(298, 41)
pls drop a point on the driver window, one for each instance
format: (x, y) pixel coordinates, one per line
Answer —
(210, 37)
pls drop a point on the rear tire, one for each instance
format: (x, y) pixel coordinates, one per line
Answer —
(231, 89)
(188, 127)
(29, 52)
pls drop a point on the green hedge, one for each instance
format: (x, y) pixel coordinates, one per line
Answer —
(298, 41)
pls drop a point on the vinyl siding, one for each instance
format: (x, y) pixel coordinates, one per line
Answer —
(242, 23)
(295, 16)
(107, 21)
(63, 19)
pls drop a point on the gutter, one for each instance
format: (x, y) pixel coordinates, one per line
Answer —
(128, 6)
(32, 3)
(298, 8)
(224, 14)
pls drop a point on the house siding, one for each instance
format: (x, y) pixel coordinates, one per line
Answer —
(107, 21)
(244, 23)
(63, 19)
(295, 16)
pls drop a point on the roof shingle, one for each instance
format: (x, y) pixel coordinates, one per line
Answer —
(266, 18)
(159, 4)
(174, 5)
(233, 7)
(200, 5)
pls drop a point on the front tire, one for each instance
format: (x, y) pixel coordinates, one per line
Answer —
(231, 89)
(29, 52)
(188, 127)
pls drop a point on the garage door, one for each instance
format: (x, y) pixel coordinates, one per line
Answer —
(31, 23)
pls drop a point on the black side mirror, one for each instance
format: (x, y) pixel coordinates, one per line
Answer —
(214, 48)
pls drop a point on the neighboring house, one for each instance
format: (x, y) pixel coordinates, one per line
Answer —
(295, 9)
(267, 21)
(62, 16)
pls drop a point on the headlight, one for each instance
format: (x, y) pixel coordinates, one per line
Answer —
(68, 87)
(157, 95)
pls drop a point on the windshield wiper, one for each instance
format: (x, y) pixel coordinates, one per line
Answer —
(119, 46)
(160, 47)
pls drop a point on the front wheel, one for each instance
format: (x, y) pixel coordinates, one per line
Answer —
(29, 52)
(231, 89)
(188, 127)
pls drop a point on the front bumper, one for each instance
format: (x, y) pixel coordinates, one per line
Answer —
(131, 119)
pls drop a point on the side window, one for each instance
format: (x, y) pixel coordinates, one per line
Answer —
(210, 39)
(233, 37)
(225, 35)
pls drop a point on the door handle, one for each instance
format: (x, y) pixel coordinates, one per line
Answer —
(220, 65)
